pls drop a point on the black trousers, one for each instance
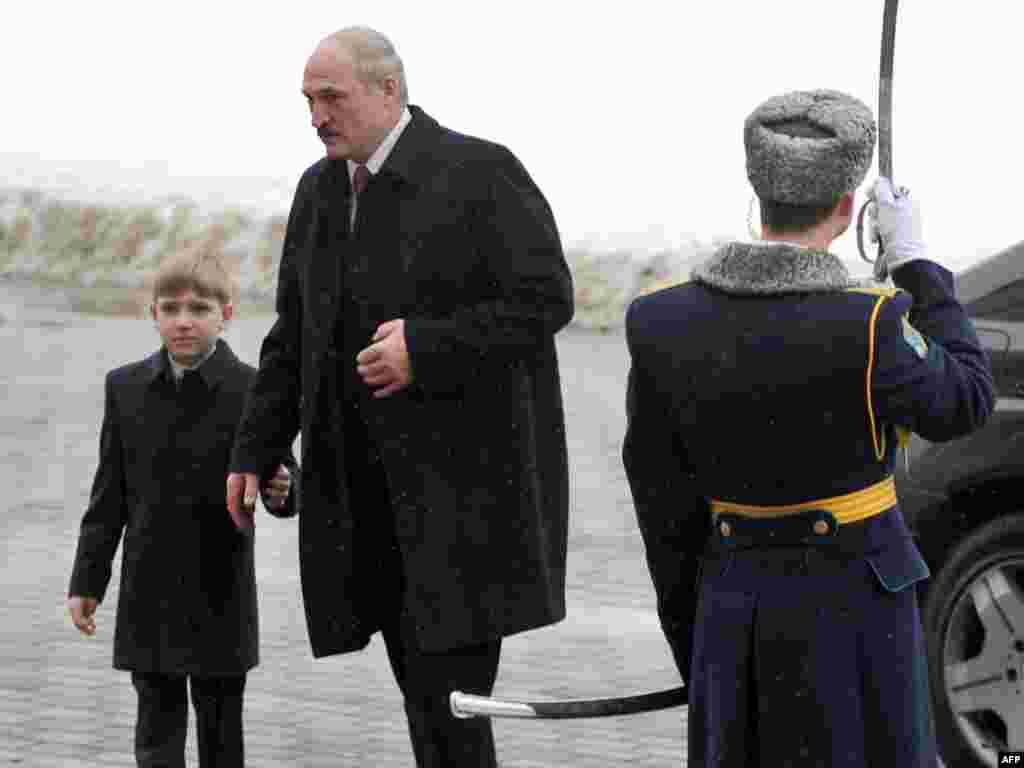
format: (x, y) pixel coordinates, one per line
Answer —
(439, 740)
(162, 722)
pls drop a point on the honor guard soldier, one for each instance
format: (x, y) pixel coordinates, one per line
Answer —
(766, 401)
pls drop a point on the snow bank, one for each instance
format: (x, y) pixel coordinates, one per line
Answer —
(117, 246)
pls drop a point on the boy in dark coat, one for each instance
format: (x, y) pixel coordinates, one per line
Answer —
(767, 398)
(187, 606)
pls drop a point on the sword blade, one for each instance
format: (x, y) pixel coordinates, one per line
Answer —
(884, 114)
(885, 88)
(464, 705)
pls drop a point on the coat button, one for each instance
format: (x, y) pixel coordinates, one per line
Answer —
(724, 528)
(820, 527)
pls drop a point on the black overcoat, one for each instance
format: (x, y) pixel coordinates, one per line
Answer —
(187, 602)
(474, 450)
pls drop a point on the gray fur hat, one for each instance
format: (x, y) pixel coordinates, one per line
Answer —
(808, 147)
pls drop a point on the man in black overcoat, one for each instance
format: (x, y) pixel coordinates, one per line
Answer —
(767, 398)
(421, 286)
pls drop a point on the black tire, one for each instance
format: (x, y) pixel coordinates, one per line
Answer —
(952, 635)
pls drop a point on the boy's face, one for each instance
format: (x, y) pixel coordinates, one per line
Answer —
(189, 324)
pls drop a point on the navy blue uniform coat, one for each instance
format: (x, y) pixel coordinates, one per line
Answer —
(474, 451)
(750, 385)
(187, 602)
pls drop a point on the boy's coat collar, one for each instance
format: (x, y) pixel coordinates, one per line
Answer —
(212, 371)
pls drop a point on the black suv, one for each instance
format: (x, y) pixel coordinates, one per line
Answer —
(964, 500)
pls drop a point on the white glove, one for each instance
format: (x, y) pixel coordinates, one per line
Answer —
(896, 221)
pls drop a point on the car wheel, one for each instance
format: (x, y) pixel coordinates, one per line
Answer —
(974, 623)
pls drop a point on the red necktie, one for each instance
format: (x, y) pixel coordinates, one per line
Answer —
(360, 179)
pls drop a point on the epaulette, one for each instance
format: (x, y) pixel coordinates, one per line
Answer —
(666, 282)
(878, 432)
(875, 290)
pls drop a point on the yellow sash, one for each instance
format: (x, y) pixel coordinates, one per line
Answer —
(848, 508)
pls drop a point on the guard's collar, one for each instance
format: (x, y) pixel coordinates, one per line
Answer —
(773, 267)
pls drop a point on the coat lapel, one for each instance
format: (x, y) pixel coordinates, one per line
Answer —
(399, 196)
(219, 366)
(415, 155)
(331, 227)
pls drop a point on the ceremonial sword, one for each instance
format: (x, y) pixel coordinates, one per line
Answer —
(884, 113)
(465, 705)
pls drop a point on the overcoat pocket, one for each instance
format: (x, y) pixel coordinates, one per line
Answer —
(898, 566)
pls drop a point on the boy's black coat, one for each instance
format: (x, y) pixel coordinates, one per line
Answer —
(187, 603)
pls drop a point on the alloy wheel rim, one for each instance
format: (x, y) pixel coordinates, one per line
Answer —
(983, 658)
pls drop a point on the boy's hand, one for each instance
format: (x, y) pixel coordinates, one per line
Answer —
(242, 491)
(275, 490)
(82, 610)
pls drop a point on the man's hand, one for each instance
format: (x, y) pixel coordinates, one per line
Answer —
(275, 491)
(241, 498)
(384, 365)
(896, 221)
(83, 610)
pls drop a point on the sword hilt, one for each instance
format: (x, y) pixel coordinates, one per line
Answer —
(860, 235)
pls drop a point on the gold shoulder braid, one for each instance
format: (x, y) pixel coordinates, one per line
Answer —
(878, 435)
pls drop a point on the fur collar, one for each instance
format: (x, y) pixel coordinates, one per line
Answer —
(773, 267)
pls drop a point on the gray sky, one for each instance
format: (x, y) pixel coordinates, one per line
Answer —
(629, 114)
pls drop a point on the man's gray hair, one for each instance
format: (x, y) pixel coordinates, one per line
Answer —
(373, 56)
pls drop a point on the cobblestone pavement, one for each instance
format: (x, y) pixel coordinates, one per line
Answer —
(61, 703)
